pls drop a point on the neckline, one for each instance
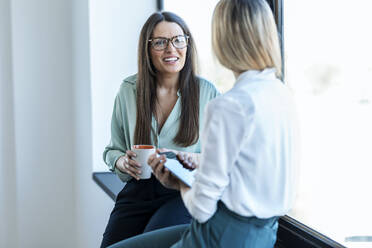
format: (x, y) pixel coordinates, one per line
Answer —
(174, 114)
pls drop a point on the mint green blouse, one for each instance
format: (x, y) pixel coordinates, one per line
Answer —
(123, 123)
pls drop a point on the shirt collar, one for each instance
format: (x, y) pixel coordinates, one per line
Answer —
(252, 75)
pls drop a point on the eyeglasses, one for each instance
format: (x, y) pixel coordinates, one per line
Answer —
(161, 43)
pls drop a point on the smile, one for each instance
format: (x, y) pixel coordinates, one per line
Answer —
(170, 59)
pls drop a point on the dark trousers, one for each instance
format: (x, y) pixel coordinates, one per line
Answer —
(225, 229)
(144, 206)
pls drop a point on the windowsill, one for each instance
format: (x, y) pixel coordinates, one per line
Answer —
(291, 233)
(109, 183)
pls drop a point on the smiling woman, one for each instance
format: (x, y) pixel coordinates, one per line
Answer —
(168, 57)
(161, 105)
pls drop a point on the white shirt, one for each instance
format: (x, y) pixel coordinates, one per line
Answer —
(248, 150)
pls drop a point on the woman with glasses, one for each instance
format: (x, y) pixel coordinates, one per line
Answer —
(246, 176)
(161, 105)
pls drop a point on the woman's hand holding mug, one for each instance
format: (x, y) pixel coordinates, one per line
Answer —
(135, 163)
(128, 165)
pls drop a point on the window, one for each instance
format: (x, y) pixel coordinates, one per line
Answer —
(328, 50)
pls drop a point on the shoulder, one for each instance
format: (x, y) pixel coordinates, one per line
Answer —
(128, 86)
(127, 92)
(206, 85)
(130, 81)
(224, 113)
(224, 102)
(232, 103)
(207, 89)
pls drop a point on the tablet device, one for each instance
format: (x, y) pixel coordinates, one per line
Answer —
(185, 175)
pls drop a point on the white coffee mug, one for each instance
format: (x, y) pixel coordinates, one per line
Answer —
(143, 153)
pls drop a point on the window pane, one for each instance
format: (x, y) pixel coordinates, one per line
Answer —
(328, 51)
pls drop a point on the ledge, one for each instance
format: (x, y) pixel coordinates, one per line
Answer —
(291, 233)
(109, 182)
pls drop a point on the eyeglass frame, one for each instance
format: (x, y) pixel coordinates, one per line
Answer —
(170, 40)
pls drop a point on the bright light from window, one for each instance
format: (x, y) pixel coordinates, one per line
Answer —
(328, 60)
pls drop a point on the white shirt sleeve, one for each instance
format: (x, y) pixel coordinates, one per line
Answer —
(224, 131)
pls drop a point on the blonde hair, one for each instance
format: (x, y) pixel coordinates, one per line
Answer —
(245, 37)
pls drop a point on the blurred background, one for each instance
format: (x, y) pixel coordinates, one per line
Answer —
(62, 62)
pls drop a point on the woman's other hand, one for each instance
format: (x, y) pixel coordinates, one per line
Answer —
(187, 161)
(161, 173)
(127, 165)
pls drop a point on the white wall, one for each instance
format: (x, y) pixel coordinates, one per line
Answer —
(47, 195)
(44, 123)
(114, 32)
(8, 219)
(93, 206)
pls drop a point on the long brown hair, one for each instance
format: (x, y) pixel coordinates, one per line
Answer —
(188, 132)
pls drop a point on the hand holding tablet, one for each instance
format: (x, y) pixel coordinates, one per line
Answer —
(176, 168)
(182, 169)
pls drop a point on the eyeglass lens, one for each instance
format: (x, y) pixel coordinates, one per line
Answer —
(179, 42)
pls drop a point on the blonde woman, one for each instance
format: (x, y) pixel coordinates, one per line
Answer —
(246, 176)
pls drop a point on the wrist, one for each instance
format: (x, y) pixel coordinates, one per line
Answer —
(120, 162)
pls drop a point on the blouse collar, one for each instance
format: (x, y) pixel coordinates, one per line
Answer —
(252, 75)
